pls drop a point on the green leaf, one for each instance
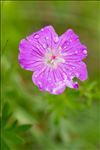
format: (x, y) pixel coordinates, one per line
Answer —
(5, 110)
(5, 115)
(13, 126)
(16, 139)
(10, 129)
(23, 128)
(4, 146)
(11, 136)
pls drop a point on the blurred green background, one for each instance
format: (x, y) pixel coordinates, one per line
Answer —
(70, 121)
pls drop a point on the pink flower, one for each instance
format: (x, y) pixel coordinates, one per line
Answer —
(54, 60)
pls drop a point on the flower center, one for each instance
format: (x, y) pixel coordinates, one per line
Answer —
(53, 58)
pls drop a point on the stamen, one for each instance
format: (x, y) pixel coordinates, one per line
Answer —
(53, 58)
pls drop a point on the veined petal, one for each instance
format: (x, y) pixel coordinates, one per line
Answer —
(44, 38)
(29, 56)
(49, 80)
(54, 60)
(80, 71)
(72, 49)
(73, 69)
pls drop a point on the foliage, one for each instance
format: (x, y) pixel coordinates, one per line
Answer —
(69, 121)
(10, 130)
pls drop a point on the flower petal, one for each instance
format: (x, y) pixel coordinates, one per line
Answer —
(29, 58)
(68, 53)
(33, 49)
(44, 38)
(80, 71)
(73, 69)
(52, 81)
(49, 80)
(72, 49)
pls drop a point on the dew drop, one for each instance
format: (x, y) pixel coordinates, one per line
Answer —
(77, 74)
(36, 36)
(47, 37)
(67, 43)
(35, 75)
(37, 46)
(73, 67)
(70, 40)
(42, 29)
(44, 46)
(76, 52)
(84, 51)
(64, 46)
(39, 83)
(56, 39)
(54, 91)
(47, 89)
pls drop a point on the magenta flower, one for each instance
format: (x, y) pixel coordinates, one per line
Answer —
(54, 60)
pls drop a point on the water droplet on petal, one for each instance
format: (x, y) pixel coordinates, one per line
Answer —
(65, 46)
(44, 46)
(77, 74)
(56, 39)
(39, 83)
(70, 40)
(35, 75)
(54, 91)
(67, 43)
(36, 36)
(47, 89)
(42, 29)
(76, 52)
(84, 51)
(37, 46)
(47, 37)
(73, 67)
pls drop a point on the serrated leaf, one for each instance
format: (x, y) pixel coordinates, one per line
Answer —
(23, 128)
